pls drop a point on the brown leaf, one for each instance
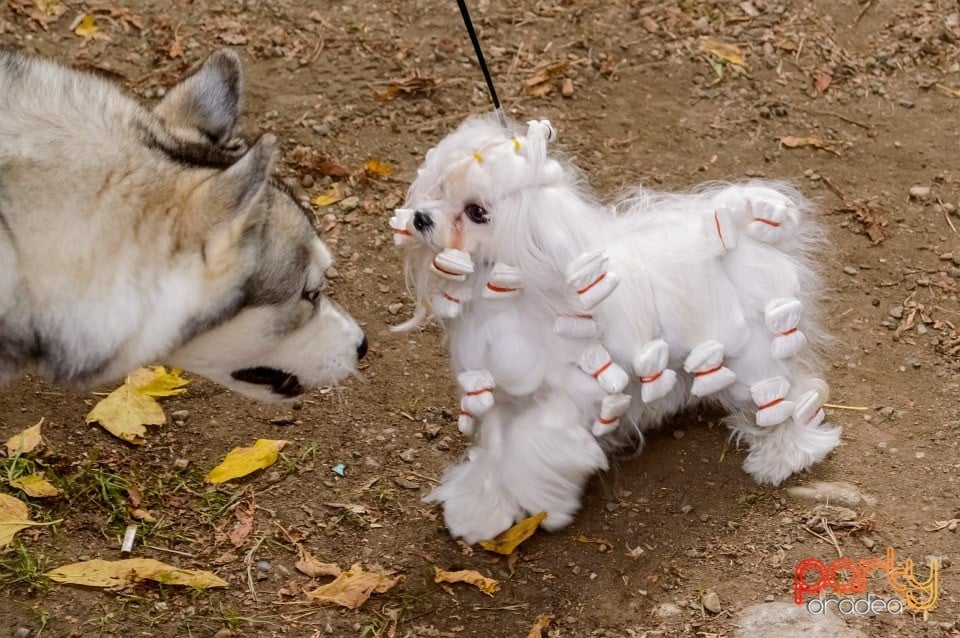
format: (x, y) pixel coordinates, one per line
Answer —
(791, 141)
(353, 588)
(487, 585)
(543, 621)
(244, 525)
(822, 78)
(309, 565)
(723, 50)
(317, 164)
(413, 85)
(540, 83)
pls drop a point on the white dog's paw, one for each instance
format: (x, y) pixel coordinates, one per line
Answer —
(475, 505)
(783, 451)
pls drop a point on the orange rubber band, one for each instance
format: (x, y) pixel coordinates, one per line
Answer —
(595, 282)
(651, 378)
(444, 271)
(768, 222)
(602, 369)
(704, 373)
(490, 286)
(480, 391)
(451, 298)
(771, 404)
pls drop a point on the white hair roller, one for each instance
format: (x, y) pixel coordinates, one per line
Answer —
(505, 282)
(400, 223)
(809, 410)
(770, 397)
(596, 362)
(452, 264)
(650, 364)
(719, 228)
(782, 316)
(590, 279)
(611, 409)
(477, 386)
(705, 363)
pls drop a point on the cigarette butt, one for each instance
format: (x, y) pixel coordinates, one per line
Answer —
(128, 537)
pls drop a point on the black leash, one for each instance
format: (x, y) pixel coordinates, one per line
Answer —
(483, 64)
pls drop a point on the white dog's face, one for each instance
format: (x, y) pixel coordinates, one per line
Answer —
(476, 186)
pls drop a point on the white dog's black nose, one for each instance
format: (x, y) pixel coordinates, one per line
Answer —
(362, 349)
(422, 221)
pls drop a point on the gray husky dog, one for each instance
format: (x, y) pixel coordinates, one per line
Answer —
(130, 236)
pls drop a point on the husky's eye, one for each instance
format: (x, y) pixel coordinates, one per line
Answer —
(476, 213)
(313, 294)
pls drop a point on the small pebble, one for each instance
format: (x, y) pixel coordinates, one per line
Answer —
(896, 312)
(223, 633)
(180, 415)
(920, 193)
(22, 632)
(850, 270)
(686, 509)
(867, 542)
(678, 434)
(264, 565)
(395, 308)
(407, 455)
(711, 602)
(181, 464)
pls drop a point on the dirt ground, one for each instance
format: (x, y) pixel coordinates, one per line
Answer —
(870, 93)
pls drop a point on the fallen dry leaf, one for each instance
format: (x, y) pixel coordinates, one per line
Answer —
(244, 513)
(540, 82)
(507, 541)
(791, 141)
(35, 486)
(329, 197)
(353, 588)
(406, 86)
(487, 585)
(87, 27)
(317, 164)
(127, 410)
(157, 382)
(26, 441)
(543, 622)
(309, 565)
(13, 518)
(377, 168)
(723, 50)
(119, 573)
(245, 460)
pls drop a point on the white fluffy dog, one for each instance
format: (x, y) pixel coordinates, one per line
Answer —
(573, 327)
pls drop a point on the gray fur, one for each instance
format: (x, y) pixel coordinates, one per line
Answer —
(130, 236)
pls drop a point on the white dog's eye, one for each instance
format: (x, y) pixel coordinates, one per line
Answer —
(476, 213)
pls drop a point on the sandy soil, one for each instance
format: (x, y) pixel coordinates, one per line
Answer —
(874, 83)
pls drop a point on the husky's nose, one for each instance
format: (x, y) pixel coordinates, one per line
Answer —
(362, 349)
(422, 221)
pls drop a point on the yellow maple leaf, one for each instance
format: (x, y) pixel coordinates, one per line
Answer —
(244, 460)
(35, 486)
(329, 197)
(13, 518)
(723, 50)
(353, 588)
(87, 27)
(157, 382)
(26, 441)
(377, 168)
(126, 411)
(469, 576)
(507, 541)
(117, 573)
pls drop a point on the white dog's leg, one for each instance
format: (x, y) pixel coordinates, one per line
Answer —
(538, 461)
(799, 439)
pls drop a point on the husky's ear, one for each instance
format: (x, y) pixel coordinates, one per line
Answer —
(223, 206)
(205, 106)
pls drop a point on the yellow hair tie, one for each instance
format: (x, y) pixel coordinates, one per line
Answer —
(516, 145)
(478, 157)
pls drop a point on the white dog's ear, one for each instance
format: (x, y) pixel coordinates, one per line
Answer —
(205, 106)
(225, 204)
(539, 134)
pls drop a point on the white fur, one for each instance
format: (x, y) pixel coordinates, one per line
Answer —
(694, 270)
